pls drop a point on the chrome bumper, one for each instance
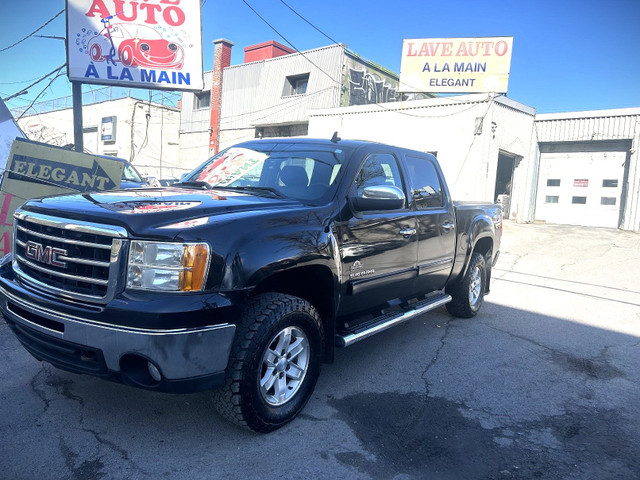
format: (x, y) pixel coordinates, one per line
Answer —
(178, 354)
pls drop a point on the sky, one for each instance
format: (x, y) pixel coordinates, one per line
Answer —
(568, 55)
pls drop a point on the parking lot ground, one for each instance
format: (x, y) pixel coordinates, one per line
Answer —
(543, 383)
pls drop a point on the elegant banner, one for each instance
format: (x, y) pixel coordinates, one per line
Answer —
(38, 170)
(145, 44)
(456, 65)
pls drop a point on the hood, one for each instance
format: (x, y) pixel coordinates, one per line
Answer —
(143, 212)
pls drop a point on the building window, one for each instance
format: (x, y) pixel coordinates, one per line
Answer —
(295, 85)
(580, 182)
(579, 200)
(607, 200)
(553, 182)
(202, 100)
(609, 183)
(551, 199)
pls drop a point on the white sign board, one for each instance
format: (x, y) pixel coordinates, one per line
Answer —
(456, 65)
(145, 44)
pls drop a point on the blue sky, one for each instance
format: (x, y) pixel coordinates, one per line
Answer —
(568, 55)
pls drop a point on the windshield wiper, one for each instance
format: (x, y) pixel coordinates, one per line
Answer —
(193, 184)
(257, 190)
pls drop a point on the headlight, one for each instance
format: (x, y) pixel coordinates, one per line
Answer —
(175, 267)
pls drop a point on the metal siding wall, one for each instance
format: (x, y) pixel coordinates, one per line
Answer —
(586, 129)
(252, 92)
(194, 121)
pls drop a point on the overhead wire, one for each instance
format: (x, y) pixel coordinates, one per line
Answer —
(286, 40)
(34, 32)
(412, 87)
(40, 94)
(307, 21)
(384, 107)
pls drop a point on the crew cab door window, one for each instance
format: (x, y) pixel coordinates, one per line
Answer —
(436, 223)
(426, 189)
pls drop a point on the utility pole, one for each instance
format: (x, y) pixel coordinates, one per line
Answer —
(78, 140)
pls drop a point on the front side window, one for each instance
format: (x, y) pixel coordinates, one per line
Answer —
(378, 169)
(427, 192)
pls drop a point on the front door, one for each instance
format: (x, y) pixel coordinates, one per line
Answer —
(378, 249)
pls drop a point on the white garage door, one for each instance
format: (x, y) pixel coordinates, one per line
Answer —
(580, 188)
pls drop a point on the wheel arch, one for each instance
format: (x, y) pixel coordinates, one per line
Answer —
(316, 284)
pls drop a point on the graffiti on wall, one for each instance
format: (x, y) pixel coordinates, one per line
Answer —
(367, 87)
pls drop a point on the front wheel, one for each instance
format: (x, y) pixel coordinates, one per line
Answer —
(468, 294)
(274, 363)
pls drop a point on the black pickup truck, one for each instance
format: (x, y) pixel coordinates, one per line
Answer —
(245, 276)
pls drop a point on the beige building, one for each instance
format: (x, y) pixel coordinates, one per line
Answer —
(143, 132)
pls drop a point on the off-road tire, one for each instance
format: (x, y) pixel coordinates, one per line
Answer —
(464, 303)
(240, 399)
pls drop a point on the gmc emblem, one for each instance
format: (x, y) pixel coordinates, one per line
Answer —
(49, 255)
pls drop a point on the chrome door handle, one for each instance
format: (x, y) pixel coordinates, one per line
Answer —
(407, 232)
(448, 226)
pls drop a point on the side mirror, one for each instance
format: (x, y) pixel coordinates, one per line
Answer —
(379, 197)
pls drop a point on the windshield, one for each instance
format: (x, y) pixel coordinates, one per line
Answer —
(301, 172)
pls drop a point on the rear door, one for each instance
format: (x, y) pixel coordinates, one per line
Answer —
(378, 249)
(435, 220)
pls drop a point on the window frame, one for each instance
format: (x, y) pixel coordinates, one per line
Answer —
(291, 82)
(198, 96)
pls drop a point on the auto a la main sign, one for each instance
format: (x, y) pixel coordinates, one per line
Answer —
(456, 65)
(135, 43)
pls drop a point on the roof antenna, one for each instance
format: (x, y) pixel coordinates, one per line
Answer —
(335, 138)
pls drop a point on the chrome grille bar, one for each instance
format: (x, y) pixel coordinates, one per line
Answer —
(93, 281)
(64, 240)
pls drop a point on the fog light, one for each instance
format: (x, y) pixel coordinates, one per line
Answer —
(154, 372)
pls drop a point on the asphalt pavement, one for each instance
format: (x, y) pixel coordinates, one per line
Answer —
(543, 383)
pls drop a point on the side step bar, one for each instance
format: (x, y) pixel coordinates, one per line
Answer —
(378, 324)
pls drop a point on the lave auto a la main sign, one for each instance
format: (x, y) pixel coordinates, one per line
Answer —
(456, 65)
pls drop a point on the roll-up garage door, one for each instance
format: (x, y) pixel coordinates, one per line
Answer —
(580, 188)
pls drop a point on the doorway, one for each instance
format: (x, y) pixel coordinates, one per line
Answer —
(504, 175)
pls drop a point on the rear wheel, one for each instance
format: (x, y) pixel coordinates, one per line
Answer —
(274, 363)
(468, 294)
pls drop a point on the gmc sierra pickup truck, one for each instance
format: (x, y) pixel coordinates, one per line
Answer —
(245, 276)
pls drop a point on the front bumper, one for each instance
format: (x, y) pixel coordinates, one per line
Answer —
(85, 339)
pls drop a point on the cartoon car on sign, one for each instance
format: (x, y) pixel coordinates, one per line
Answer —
(135, 46)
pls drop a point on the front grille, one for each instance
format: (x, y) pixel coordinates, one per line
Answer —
(66, 256)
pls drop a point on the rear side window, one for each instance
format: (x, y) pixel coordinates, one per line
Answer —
(427, 187)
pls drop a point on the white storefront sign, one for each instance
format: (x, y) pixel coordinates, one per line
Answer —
(150, 44)
(456, 65)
